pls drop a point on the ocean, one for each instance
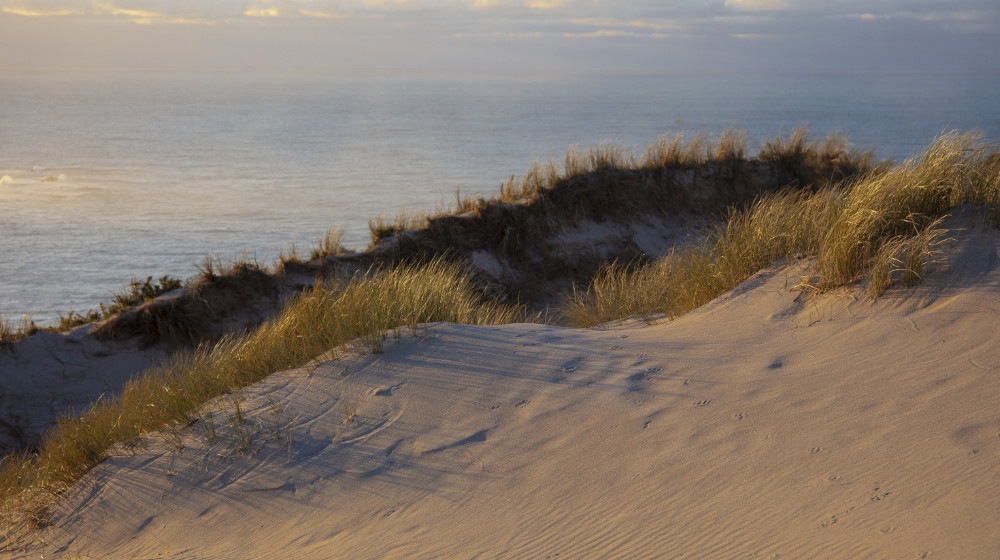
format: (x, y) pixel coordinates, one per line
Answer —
(109, 175)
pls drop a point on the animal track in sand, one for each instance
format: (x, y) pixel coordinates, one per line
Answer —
(878, 495)
(740, 415)
(816, 449)
(703, 403)
(617, 347)
(832, 520)
(522, 404)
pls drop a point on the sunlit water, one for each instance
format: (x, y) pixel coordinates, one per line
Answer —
(109, 175)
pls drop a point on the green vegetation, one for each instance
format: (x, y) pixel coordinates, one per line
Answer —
(885, 224)
(366, 308)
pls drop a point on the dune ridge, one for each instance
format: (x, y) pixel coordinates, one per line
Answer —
(767, 424)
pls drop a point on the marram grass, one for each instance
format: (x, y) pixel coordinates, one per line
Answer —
(885, 224)
(884, 227)
(326, 317)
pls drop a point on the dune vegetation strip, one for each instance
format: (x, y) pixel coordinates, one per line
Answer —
(520, 226)
(367, 308)
(885, 224)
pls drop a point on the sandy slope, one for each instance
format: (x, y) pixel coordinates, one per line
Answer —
(764, 425)
(47, 375)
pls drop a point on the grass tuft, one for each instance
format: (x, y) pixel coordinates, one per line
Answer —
(329, 246)
(135, 293)
(10, 333)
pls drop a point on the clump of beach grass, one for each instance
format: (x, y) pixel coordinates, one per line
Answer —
(364, 308)
(884, 227)
(134, 293)
(330, 245)
(11, 333)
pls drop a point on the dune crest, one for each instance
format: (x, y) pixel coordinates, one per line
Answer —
(767, 424)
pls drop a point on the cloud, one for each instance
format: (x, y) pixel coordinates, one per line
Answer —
(757, 5)
(604, 33)
(656, 25)
(755, 36)
(964, 17)
(110, 9)
(546, 4)
(262, 12)
(19, 10)
(337, 15)
(502, 35)
(964, 21)
(530, 4)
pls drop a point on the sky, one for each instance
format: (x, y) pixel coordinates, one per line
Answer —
(500, 36)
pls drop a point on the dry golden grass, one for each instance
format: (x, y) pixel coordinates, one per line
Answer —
(10, 333)
(366, 308)
(832, 222)
(406, 220)
(885, 225)
(329, 246)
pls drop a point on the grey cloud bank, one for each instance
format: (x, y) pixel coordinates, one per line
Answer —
(505, 35)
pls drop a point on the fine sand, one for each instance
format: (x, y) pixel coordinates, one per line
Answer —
(767, 424)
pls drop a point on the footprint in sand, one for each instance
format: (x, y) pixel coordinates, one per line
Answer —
(878, 494)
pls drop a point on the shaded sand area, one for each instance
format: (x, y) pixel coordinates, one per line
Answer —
(767, 424)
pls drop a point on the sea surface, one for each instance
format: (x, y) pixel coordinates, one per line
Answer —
(109, 175)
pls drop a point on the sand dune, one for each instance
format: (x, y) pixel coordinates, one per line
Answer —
(767, 424)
